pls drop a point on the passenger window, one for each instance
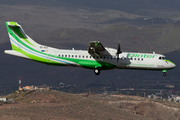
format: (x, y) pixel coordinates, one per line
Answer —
(65, 55)
(89, 56)
(104, 57)
(93, 56)
(82, 56)
(160, 58)
(97, 57)
(79, 56)
(76, 56)
(101, 57)
(131, 58)
(62, 55)
(59, 55)
(72, 55)
(86, 56)
(138, 58)
(142, 59)
(134, 58)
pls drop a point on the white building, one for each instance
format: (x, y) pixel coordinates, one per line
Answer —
(3, 99)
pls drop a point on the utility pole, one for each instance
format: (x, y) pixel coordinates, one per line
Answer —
(19, 83)
(144, 94)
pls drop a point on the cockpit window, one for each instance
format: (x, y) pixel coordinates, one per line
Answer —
(162, 58)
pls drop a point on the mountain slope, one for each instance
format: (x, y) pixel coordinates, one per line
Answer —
(50, 104)
(152, 8)
(59, 105)
(71, 26)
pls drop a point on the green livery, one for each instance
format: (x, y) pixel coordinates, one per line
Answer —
(97, 57)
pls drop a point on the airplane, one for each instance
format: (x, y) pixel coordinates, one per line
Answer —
(97, 57)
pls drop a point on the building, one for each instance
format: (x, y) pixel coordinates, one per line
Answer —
(35, 88)
(3, 99)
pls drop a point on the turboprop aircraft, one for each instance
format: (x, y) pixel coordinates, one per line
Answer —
(97, 57)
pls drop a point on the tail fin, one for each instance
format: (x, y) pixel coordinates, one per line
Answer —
(18, 37)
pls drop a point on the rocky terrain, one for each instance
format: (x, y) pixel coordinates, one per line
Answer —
(143, 26)
(53, 105)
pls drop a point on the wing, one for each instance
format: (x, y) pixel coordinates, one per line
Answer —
(95, 47)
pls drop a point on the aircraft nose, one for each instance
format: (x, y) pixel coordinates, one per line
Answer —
(173, 65)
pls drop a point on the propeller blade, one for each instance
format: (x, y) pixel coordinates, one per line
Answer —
(118, 51)
(118, 59)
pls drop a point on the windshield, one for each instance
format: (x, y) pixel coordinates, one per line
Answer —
(162, 58)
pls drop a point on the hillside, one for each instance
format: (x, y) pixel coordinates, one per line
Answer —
(42, 19)
(59, 105)
(162, 38)
(63, 25)
(60, 26)
(161, 8)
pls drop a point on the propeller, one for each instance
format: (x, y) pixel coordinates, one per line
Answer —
(118, 51)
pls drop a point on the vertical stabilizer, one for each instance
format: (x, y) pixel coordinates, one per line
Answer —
(18, 37)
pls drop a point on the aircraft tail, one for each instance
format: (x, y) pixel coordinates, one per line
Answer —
(18, 37)
(22, 44)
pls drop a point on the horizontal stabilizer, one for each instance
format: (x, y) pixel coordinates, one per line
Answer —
(15, 53)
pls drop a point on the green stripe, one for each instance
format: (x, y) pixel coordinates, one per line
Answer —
(36, 58)
(17, 30)
(90, 64)
(22, 43)
(13, 23)
(169, 61)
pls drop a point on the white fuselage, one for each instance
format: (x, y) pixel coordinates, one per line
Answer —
(96, 57)
(127, 60)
